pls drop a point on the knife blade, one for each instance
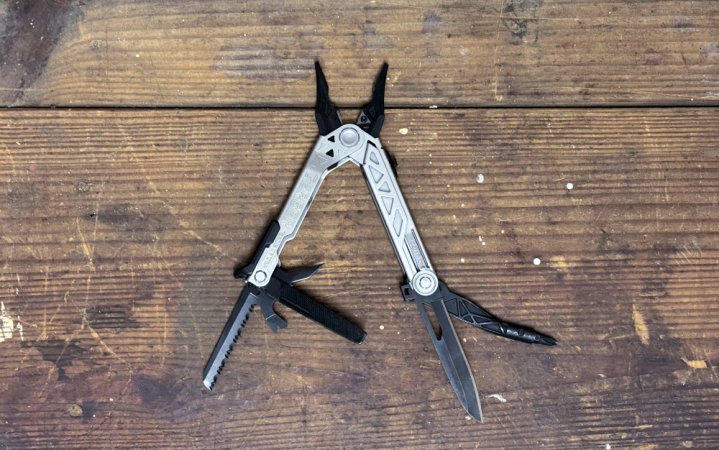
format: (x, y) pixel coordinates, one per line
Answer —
(454, 362)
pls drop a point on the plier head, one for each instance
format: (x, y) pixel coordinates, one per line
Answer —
(370, 118)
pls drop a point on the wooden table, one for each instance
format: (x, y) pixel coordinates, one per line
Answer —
(149, 143)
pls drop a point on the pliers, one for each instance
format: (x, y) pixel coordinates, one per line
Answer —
(267, 282)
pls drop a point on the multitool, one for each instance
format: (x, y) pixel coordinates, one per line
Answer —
(267, 282)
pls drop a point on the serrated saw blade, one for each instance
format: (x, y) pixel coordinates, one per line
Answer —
(248, 299)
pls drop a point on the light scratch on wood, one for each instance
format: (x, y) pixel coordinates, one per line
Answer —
(86, 249)
(695, 363)
(640, 325)
(497, 97)
(43, 330)
(500, 398)
(195, 235)
(165, 333)
(12, 160)
(97, 210)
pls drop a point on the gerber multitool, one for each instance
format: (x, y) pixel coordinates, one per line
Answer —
(267, 283)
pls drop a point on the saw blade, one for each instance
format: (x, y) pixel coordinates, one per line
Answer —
(240, 313)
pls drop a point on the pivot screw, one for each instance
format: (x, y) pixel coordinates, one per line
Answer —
(349, 137)
(425, 282)
(260, 276)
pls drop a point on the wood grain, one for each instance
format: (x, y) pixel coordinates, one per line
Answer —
(120, 230)
(260, 53)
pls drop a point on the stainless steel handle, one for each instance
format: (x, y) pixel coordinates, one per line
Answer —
(397, 219)
(329, 153)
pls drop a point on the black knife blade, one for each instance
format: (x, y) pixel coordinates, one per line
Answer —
(454, 362)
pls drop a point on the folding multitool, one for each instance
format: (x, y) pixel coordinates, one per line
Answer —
(268, 283)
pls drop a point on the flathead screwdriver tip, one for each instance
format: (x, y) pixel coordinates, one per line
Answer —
(546, 340)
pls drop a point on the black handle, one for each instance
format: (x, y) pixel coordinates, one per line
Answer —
(473, 314)
(267, 239)
(308, 307)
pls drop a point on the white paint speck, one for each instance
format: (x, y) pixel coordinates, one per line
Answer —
(112, 399)
(608, 446)
(464, 339)
(461, 260)
(19, 328)
(137, 55)
(569, 186)
(467, 417)
(432, 106)
(536, 261)
(381, 327)
(403, 131)
(480, 178)
(499, 398)
(6, 324)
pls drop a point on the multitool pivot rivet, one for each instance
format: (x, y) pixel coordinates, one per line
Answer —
(349, 137)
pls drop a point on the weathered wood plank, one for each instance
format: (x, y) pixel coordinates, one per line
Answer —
(120, 230)
(464, 53)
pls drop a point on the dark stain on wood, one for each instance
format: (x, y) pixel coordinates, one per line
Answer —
(132, 220)
(115, 317)
(372, 39)
(614, 249)
(31, 29)
(59, 352)
(430, 22)
(22, 192)
(660, 257)
(144, 291)
(168, 395)
(88, 410)
(517, 15)
(152, 391)
(682, 23)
